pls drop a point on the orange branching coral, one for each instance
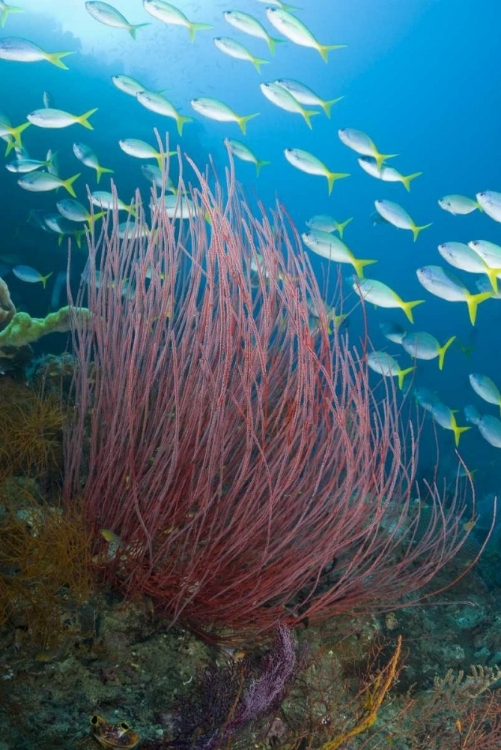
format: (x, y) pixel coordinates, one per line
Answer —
(44, 569)
(30, 432)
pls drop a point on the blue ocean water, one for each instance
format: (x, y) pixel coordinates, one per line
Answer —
(421, 77)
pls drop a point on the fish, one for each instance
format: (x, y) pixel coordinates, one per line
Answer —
(107, 201)
(426, 398)
(142, 150)
(156, 176)
(41, 182)
(280, 4)
(73, 210)
(488, 426)
(304, 95)
(398, 217)
(131, 230)
(30, 275)
(326, 223)
(251, 26)
(296, 31)
(22, 50)
(360, 142)
(128, 85)
(444, 284)
(169, 14)
(459, 205)
(215, 109)
(11, 134)
(23, 166)
(243, 152)
(46, 99)
(488, 251)
(179, 207)
(63, 227)
(422, 345)
(162, 106)
(444, 416)
(484, 285)
(461, 256)
(385, 173)
(309, 163)
(490, 202)
(6, 10)
(87, 156)
(485, 388)
(110, 16)
(393, 331)
(333, 318)
(58, 118)
(381, 295)
(235, 49)
(280, 97)
(384, 364)
(331, 247)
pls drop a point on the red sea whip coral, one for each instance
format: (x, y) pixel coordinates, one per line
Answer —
(240, 457)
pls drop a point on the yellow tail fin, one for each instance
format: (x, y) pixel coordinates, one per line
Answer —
(272, 42)
(406, 180)
(324, 49)
(260, 163)
(326, 106)
(43, 279)
(359, 265)
(407, 308)
(492, 275)
(194, 27)
(6, 11)
(442, 350)
(242, 121)
(333, 176)
(55, 58)
(473, 301)
(181, 120)
(458, 431)
(380, 158)
(84, 119)
(68, 184)
(135, 27)
(341, 227)
(401, 375)
(16, 135)
(308, 114)
(258, 61)
(102, 170)
(416, 230)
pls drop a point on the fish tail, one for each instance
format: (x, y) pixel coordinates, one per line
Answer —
(416, 230)
(16, 134)
(59, 243)
(341, 227)
(135, 27)
(131, 209)
(55, 58)
(260, 163)
(44, 279)
(258, 61)
(242, 121)
(307, 113)
(100, 171)
(477, 204)
(68, 184)
(401, 375)
(408, 306)
(272, 43)
(336, 320)
(380, 158)
(6, 12)
(458, 431)
(194, 27)
(333, 176)
(407, 179)
(324, 49)
(359, 265)
(473, 301)
(326, 106)
(442, 350)
(83, 119)
(181, 120)
(492, 275)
